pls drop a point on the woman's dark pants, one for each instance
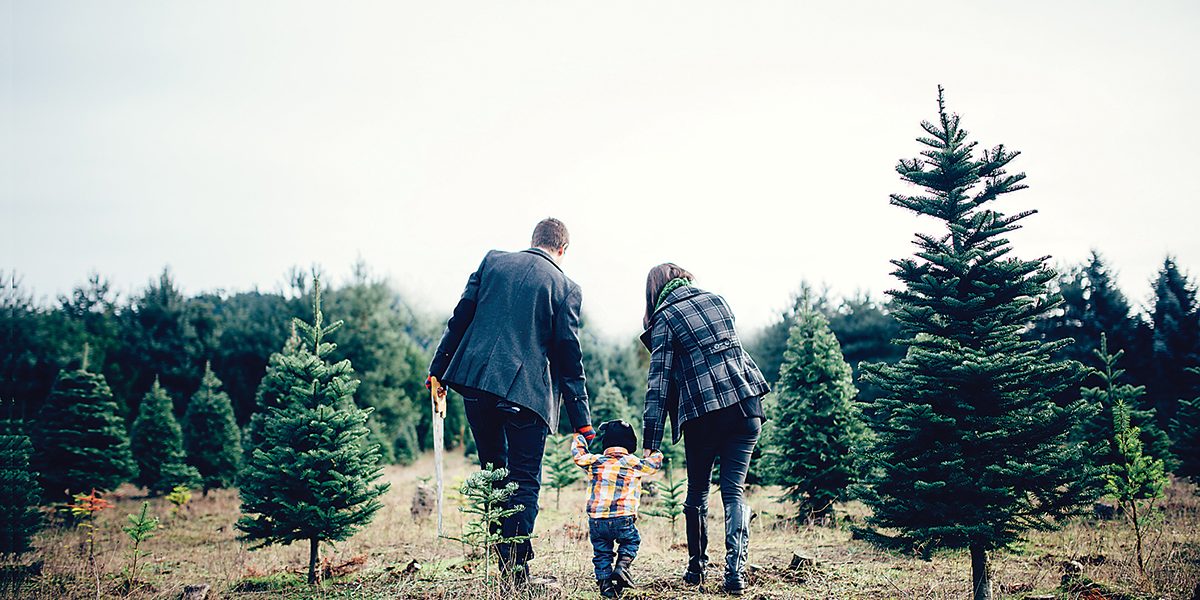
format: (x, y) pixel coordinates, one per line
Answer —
(514, 438)
(729, 436)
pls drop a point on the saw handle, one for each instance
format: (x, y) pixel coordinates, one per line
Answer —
(437, 394)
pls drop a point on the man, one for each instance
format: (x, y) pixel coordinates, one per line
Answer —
(511, 348)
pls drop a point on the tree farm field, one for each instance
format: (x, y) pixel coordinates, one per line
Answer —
(199, 545)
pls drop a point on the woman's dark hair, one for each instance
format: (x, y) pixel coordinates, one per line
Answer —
(656, 280)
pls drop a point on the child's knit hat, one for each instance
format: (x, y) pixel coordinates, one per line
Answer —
(618, 433)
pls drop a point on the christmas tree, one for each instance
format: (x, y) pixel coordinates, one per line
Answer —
(157, 445)
(19, 491)
(816, 435)
(312, 476)
(272, 390)
(610, 405)
(561, 471)
(80, 441)
(1176, 340)
(671, 496)
(213, 440)
(971, 449)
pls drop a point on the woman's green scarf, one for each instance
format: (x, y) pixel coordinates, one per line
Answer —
(670, 287)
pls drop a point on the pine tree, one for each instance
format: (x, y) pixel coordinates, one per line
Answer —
(1176, 339)
(1137, 479)
(1185, 436)
(212, 438)
(19, 491)
(1096, 429)
(273, 390)
(971, 445)
(312, 476)
(80, 441)
(157, 444)
(561, 470)
(610, 405)
(485, 498)
(670, 499)
(817, 433)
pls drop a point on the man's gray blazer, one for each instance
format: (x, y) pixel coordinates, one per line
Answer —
(515, 335)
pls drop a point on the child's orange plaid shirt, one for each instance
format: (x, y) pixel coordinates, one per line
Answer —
(615, 488)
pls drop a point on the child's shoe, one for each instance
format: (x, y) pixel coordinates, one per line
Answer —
(607, 589)
(621, 576)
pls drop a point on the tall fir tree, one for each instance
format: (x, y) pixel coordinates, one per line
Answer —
(1096, 428)
(1185, 437)
(80, 441)
(971, 448)
(157, 445)
(273, 390)
(211, 435)
(1176, 339)
(313, 475)
(610, 405)
(19, 491)
(816, 437)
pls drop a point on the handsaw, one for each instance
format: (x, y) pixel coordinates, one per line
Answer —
(437, 396)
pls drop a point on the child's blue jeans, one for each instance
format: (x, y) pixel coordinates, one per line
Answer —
(607, 534)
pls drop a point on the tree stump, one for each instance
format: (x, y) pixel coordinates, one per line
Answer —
(424, 501)
(800, 560)
(195, 592)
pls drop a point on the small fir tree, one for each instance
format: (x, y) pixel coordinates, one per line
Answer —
(561, 470)
(971, 442)
(485, 498)
(670, 499)
(1185, 435)
(80, 440)
(157, 444)
(312, 477)
(817, 433)
(1136, 480)
(214, 442)
(141, 528)
(1096, 428)
(19, 491)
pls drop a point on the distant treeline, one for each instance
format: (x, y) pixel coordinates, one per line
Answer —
(160, 333)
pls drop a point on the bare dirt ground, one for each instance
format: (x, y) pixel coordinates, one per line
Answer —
(200, 546)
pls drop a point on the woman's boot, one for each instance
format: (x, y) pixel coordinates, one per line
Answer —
(696, 525)
(737, 545)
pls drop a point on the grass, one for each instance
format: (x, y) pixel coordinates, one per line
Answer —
(200, 546)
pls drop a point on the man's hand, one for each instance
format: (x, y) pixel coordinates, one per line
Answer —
(587, 432)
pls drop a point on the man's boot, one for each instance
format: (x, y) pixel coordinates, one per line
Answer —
(696, 525)
(737, 546)
(621, 575)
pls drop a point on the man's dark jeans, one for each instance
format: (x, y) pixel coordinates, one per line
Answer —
(514, 438)
(609, 532)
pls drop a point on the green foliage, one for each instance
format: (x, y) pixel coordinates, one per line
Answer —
(485, 500)
(971, 445)
(157, 444)
(1185, 435)
(19, 491)
(1137, 479)
(141, 527)
(1096, 429)
(1176, 341)
(561, 470)
(80, 439)
(179, 497)
(610, 405)
(312, 477)
(272, 392)
(670, 499)
(816, 436)
(214, 442)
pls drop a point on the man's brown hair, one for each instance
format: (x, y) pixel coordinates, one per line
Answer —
(550, 234)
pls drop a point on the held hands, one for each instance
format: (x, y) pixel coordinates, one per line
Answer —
(587, 432)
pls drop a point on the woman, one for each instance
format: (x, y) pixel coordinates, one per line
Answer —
(712, 390)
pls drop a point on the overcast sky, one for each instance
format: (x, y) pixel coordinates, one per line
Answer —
(751, 142)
